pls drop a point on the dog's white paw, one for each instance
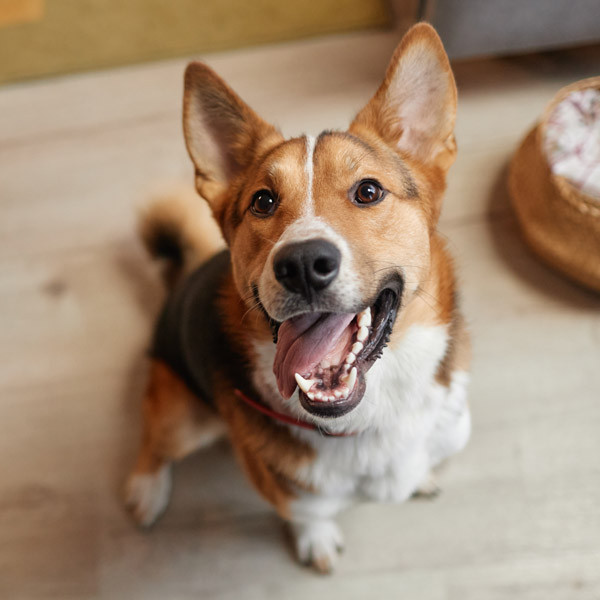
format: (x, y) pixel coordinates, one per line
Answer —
(147, 495)
(429, 489)
(318, 544)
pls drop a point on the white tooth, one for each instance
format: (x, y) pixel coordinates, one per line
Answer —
(330, 398)
(319, 396)
(357, 347)
(345, 391)
(352, 378)
(311, 395)
(364, 319)
(362, 334)
(303, 384)
(337, 393)
(350, 358)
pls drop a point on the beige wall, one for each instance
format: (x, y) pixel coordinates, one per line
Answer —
(45, 37)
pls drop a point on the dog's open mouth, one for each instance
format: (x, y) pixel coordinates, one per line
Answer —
(328, 354)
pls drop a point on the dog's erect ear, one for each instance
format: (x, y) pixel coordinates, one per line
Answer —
(415, 107)
(223, 134)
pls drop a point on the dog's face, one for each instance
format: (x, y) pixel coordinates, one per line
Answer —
(329, 236)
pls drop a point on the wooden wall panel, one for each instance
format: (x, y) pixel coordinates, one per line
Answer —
(87, 34)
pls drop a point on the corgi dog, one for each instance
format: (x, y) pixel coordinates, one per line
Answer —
(325, 341)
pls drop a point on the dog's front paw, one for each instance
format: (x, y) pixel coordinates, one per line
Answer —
(428, 490)
(318, 544)
(147, 495)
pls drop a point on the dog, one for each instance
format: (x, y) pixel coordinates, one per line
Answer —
(326, 340)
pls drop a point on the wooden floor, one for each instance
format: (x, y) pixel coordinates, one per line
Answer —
(519, 517)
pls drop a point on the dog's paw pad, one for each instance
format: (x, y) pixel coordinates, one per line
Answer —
(147, 495)
(318, 544)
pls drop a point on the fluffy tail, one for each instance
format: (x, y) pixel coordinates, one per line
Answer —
(177, 228)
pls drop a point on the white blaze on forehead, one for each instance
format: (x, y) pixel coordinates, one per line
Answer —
(309, 170)
(347, 286)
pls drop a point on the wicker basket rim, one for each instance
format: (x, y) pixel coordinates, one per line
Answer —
(534, 194)
(567, 191)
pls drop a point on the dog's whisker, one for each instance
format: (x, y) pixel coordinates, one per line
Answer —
(438, 304)
(250, 296)
(256, 306)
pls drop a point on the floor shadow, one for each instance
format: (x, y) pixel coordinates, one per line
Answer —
(210, 486)
(508, 242)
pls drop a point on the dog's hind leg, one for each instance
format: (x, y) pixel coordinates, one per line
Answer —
(175, 424)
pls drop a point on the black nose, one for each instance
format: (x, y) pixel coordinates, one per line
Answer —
(307, 267)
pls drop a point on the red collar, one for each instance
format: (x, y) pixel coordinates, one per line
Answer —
(265, 410)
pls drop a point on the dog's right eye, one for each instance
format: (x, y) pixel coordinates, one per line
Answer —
(368, 191)
(263, 204)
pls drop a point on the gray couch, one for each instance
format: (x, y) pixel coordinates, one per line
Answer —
(483, 27)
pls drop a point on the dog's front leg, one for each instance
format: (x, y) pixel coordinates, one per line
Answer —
(273, 459)
(317, 537)
(311, 517)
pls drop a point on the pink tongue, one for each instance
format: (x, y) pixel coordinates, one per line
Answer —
(302, 342)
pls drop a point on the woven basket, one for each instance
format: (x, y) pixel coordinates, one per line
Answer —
(560, 223)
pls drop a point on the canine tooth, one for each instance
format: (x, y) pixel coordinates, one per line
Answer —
(362, 334)
(364, 320)
(303, 384)
(350, 358)
(356, 348)
(352, 378)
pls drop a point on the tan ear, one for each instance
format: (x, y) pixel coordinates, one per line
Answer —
(414, 109)
(222, 133)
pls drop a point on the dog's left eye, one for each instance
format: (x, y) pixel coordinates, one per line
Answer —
(263, 204)
(368, 192)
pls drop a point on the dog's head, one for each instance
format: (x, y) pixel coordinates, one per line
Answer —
(329, 236)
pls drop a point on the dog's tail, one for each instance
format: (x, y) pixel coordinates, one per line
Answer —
(177, 228)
